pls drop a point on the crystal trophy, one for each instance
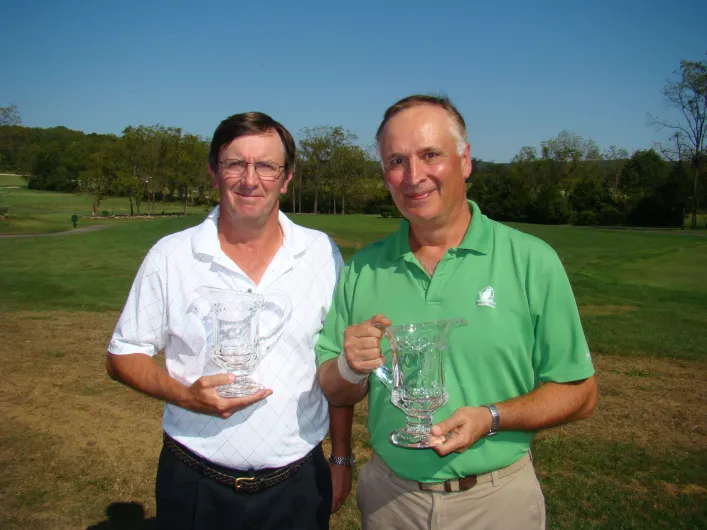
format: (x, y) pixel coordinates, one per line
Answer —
(416, 381)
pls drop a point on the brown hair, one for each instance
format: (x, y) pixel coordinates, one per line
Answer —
(422, 99)
(246, 124)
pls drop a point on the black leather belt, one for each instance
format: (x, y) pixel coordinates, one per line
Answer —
(242, 481)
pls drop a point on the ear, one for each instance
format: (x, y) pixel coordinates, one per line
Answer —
(466, 162)
(214, 177)
(288, 178)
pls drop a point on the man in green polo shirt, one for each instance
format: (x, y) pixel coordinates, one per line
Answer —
(520, 365)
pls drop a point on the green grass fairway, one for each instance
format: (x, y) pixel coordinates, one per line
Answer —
(640, 293)
(638, 463)
(8, 179)
(33, 212)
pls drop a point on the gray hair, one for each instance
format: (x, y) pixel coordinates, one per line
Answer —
(458, 129)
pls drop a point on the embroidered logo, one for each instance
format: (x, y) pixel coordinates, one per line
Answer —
(486, 296)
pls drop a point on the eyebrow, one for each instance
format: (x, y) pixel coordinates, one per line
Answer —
(266, 160)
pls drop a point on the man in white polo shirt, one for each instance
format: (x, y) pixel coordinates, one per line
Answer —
(245, 462)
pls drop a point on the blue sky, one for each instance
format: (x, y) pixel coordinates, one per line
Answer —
(519, 72)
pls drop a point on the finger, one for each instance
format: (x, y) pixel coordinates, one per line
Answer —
(366, 330)
(364, 343)
(449, 446)
(455, 442)
(246, 401)
(365, 367)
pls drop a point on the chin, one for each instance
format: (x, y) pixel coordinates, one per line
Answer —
(423, 212)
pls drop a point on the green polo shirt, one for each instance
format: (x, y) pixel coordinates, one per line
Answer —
(523, 328)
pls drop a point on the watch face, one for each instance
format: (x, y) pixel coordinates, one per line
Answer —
(347, 461)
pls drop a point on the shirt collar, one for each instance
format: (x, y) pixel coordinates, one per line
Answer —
(477, 237)
(205, 239)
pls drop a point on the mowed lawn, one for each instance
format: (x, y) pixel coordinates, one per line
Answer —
(33, 211)
(80, 450)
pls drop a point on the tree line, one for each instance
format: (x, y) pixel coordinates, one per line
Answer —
(144, 164)
(571, 181)
(568, 179)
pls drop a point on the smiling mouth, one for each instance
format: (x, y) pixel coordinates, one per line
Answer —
(419, 195)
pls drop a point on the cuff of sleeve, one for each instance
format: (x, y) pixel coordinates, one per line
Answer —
(117, 347)
(569, 376)
(347, 373)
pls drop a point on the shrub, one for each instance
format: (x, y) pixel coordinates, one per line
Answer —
(388, 210)
(584, 218)
(609, 216)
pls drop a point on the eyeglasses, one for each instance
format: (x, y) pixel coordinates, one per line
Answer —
(265, 170)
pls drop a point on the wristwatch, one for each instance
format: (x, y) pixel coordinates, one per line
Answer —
(346, 461)
(495, 420)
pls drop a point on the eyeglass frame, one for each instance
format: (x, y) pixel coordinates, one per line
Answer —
(255, 168)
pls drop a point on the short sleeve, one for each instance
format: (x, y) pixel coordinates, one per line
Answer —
(142, 325)
(560, 353)
(331, 339)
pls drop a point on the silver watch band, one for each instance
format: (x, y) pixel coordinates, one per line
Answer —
(495, 420)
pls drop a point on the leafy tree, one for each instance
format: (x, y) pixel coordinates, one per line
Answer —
(548, 206)
(327, 155)
(10, 115)
(688, 94)
(642, 174)
(592, 204)
(501, 194)
(100, 175)
(191, 171)
(616, 158)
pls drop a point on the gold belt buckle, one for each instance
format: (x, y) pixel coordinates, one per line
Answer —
(237, 481)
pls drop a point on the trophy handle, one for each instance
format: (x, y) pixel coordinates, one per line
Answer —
(283, 307)
(383, 373)
(385, 376)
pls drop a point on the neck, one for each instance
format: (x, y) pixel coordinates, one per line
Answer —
(441, 234)
(236, 231)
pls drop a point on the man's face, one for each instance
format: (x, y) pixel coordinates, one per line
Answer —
(251, 196)
(423, 170)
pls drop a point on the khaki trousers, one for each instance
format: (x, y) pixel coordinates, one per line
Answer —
(388, 502)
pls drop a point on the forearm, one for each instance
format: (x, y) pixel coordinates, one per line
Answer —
(549, 405)
(142, 373)
(340, 425)
(337, 390)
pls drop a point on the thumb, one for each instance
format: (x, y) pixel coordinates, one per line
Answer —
(210, 381)
(445, 426)
(379, 321)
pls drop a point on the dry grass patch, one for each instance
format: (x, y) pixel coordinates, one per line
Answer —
(75, 443)
(658, 404)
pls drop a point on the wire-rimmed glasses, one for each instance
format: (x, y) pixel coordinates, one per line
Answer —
(237, 168)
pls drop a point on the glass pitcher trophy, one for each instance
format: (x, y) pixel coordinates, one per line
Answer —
(416, 381)
(243, 327)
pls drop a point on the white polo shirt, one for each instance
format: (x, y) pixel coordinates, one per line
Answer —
(294, 419)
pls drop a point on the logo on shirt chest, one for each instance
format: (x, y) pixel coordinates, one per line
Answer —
(486, 298)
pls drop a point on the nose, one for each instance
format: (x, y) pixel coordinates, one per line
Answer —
(415, 172)
(250, 177)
